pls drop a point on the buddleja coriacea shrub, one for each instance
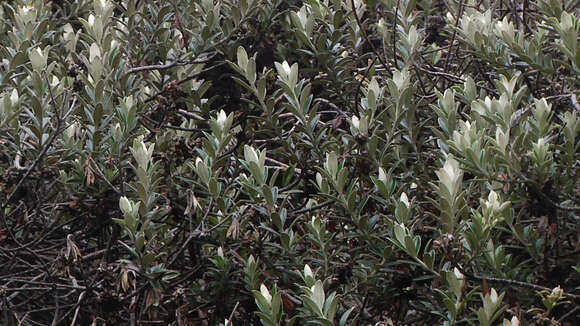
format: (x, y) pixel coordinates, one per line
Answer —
(272, 162)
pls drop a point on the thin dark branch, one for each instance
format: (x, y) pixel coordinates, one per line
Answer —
(229, 322)
(78, 306)
(100, 173)
(548, 199)
(453, 78)
(514, 283)
(47, 145)
(313, 208)
(290, 185)
(395, 33)
(183, 128)
(366, 37)
(569, 313)
(186, 79)
(190, 115)
(197, 233)
(170, 65)
(356, 94)
(459, 13)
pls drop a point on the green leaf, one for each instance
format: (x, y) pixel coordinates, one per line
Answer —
(344, 317)
(242, 58)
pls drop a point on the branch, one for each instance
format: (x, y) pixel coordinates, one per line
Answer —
(445, 75)
(40, 156)
(313, 208)
(186, 79)
(100, 173)
(515, 283)
(548, 199)
(57, 130)
(459, 14)
(395, 33)
(183, 128)
(229, 322)
(360, 84)
(191, 115)
(366, 37)
(169, 65)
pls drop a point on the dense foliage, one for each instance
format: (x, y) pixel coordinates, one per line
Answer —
(205, 162)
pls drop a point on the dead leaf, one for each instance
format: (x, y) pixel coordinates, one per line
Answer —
(484, 287)
(234, 229)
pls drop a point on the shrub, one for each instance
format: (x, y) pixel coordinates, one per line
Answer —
(289, 162)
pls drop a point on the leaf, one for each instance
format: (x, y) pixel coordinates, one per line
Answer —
(344, 317)
(318, 294)
(251, 71)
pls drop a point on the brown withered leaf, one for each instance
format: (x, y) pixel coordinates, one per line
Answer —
(289, 306)
(484, 287)
(234, 229)
(89, 174)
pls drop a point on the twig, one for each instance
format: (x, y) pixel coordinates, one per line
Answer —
(169, 65)
(333, 106)
(366, 37)
(512, 282)
(395, 34)
(191, 115)
(38, 239)
(219, 224)
(291, 184)
(229, 322)
(23, 289)
(186, 79)
(78, 307)
(133, 305)
(30, 312)
(313, 208)
(362, 308)
(46, 287)
(569, 313)
(446, 47)
(57, 310)
(360, 84)
(194, 75)
(194, 234)
(13, 295)
(451, 77)
(92, 255)
(459, 13)
(183, 128)
(283, 165)
(40, 156)
(519, 114)
(524, 11)
(102, 175)
(421, 83)
(198, 232)
(155, 67)
(209, 207)
(548, 199)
